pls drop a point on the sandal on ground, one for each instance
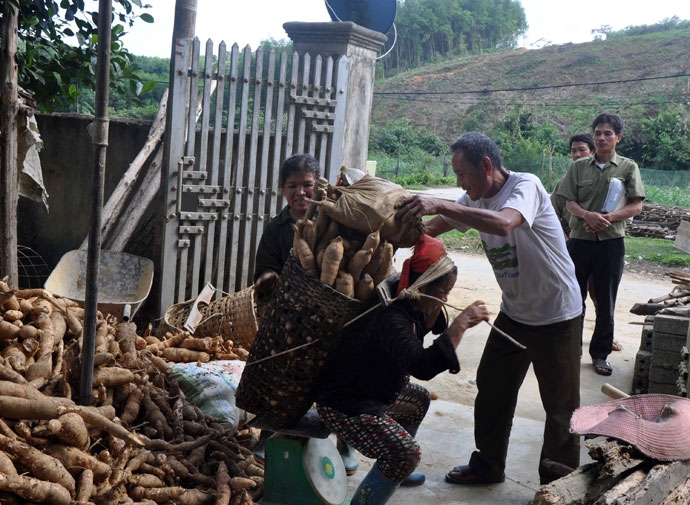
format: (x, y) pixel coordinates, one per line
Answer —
(602, 367)
(466, 475)
(616, 346)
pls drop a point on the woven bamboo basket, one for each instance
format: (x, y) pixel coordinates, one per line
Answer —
(177, 314)
(233, 316)
(302, 322)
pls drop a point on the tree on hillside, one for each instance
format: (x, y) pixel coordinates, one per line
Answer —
(57, 49)
(426, 30)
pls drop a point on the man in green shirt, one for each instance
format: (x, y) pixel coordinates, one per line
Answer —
(596, 236)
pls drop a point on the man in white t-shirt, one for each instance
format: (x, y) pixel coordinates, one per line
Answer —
(541, 306)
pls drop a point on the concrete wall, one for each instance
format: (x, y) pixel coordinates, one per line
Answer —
(67, 162)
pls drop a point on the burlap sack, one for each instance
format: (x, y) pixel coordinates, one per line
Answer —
(368, 205)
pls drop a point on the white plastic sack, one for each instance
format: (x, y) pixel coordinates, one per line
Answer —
(211, 387)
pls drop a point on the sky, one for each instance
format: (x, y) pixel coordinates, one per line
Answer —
(550, 21)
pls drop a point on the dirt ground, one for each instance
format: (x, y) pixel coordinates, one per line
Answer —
(476, 281)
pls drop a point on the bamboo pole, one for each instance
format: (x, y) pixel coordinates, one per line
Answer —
(99, 138)
(9, 187)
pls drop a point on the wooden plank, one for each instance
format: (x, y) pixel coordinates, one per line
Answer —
(206, 248)
(239, 180)
(263, 197)
(125, 227)
(679, 496)
(682, 240)
(611, 496)
(250, 229)
(226, 168)
(613, 461)
(283, 93)
(292, 108)
(659, 482)
(121, 200)
(174, 145)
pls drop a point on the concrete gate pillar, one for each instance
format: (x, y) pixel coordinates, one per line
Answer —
(361, 46)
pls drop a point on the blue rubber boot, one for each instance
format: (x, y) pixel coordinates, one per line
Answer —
(415, 478)
(347, 453)
(375, 489)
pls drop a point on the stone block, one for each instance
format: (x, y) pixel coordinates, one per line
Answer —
(662, 375)
(675, 325)
(662, 388)
(647, 337)
(668, 342)
(665, 359)
(643, 360)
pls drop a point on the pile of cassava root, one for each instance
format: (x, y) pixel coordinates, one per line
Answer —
(348, 260)
(139, 442)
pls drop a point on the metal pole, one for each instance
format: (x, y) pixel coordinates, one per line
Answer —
(9, 187)
(99, 138)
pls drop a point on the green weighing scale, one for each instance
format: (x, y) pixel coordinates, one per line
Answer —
(302, 465)
(303, 471)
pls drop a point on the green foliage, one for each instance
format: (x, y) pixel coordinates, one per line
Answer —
(664, 140)
(400, 137)
(657, 250)
(530, 102)
(57, 50)
(637, 248)
(147, 111)
(673, 23)
(667, 195)
(430, 30)
(468, 241)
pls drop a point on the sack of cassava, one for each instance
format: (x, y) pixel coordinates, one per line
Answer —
(368, 205)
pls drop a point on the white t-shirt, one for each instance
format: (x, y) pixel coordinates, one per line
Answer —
(531, 264)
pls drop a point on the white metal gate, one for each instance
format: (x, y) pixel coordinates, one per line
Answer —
(249, 111)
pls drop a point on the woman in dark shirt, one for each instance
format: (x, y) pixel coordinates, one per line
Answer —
(373, 406)
(297, 177)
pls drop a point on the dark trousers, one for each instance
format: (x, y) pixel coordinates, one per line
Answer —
(554, 352)
(603, 260)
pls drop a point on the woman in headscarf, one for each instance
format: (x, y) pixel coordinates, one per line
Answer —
(366, 397)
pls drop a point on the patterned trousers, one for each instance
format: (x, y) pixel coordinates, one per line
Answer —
(385, 438)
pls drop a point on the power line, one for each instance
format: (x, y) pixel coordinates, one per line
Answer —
(533, 88)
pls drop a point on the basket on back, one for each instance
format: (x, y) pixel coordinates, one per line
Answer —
(234, 317)
(279, 386)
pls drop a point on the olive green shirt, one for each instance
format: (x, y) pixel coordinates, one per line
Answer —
(587, 184)
(562, 213)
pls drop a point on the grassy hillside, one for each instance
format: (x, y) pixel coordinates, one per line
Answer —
(565, 84)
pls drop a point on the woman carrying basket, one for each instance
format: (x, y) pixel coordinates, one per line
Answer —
(366, 397)
(297, 178)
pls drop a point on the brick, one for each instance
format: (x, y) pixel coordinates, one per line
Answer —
(661, 388)
(640, 385)
(668, 342)
(647, 337)
(675, 325)
(643, 360)
(665, 359)
(663, 375)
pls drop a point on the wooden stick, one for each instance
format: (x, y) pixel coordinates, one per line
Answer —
(612, 391)
(498, 330)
